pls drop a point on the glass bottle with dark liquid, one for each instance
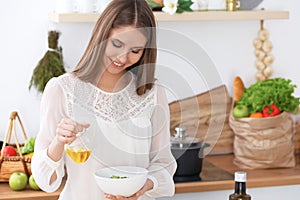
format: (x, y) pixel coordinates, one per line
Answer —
(240, 187)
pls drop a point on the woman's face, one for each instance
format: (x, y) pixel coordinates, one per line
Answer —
(124, 48)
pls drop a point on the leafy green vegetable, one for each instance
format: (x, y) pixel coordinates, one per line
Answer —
(118, 177)
(276, 91)
(28, 146)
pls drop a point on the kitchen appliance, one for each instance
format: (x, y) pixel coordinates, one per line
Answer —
(188, 152)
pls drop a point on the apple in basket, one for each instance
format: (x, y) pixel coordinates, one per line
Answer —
(10, 151)
(240, 111)
(121, 180)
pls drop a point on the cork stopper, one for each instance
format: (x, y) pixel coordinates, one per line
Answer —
(240, 176)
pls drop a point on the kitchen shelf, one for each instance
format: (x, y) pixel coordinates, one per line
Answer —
(186, 16)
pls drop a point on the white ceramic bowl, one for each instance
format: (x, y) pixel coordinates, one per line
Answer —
(134, 181)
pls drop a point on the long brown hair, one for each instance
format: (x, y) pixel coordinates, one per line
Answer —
(119, 13)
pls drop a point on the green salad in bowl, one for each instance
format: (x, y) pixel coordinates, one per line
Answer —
(121, 180)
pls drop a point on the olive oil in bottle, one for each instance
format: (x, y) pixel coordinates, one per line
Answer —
(77, 150)
(78, 155)
(240, 187)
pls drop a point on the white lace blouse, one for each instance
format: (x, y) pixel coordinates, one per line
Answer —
(126, 129)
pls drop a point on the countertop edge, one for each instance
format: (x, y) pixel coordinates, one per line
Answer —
(256, 178)
(203, 186)
(229, 184)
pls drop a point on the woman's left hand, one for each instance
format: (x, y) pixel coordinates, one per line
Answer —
(147, 186)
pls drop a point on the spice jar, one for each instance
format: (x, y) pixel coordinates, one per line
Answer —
(232, 5)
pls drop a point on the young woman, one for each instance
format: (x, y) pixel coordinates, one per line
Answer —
(127, 111)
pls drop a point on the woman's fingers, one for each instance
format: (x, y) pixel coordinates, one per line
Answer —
(81, 127)
(68, 129)
(68, 125)
(109, 196)
(147, 186)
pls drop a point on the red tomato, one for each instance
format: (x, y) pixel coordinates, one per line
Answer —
(10, 151)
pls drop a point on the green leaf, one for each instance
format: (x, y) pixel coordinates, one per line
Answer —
(28, 146)
(278, 91)
(179, 10)
(185, 5)
(153, 4)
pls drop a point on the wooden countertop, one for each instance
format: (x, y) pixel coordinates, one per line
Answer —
(255, 178)
(6, 193)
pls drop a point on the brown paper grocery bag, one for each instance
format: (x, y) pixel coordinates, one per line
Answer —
(263, 142)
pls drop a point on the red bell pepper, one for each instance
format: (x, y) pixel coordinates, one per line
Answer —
(270, 111)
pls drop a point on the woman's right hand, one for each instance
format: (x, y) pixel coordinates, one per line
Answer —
(66, 132)
(67, 129)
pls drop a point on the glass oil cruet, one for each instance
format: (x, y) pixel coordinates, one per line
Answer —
(77, 150)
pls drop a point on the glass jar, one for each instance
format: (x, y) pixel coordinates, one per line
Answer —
(77, 150)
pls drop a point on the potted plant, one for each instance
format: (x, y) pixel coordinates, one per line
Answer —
(171, 6)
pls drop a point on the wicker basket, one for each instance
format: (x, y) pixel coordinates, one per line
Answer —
(11, 164)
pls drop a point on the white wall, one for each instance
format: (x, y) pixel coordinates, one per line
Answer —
(23, 39)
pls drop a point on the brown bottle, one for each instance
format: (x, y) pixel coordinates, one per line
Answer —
(240, 187)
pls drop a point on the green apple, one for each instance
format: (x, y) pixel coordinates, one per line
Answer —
(33, 184)
(240, 111)
(18, 181)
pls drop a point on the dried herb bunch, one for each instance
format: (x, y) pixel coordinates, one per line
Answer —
(51, 65)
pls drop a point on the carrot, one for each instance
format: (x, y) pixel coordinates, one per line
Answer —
(256, 115)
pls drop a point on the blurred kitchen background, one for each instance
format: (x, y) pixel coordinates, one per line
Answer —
(228, 44)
